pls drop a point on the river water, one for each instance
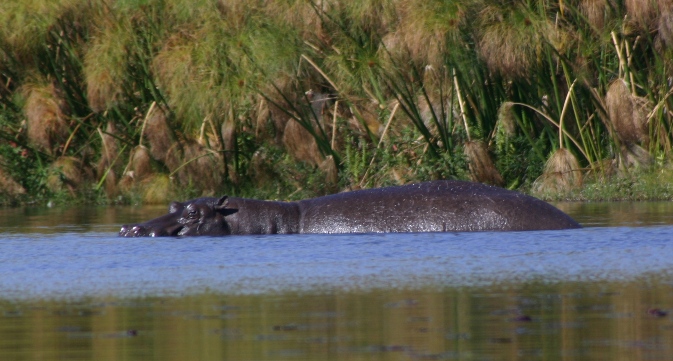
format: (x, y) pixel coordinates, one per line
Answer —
(70, 289)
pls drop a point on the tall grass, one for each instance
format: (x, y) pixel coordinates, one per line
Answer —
(378, 91)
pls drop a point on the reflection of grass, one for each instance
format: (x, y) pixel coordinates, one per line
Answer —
(430, 322)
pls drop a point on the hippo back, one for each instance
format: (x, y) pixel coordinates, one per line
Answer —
(437, 206)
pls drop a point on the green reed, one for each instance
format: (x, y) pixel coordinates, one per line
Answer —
(421, 79)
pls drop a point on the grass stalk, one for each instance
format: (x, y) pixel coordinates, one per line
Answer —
(102, 179)
(461, 104)
(208, 153)
(378, 145)
(147, 115)
(559, 126)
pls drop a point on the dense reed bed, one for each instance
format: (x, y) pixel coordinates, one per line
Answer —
(144, 100)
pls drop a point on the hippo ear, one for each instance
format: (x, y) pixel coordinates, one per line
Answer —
(221, 206)
(221, 203)
(174, 207)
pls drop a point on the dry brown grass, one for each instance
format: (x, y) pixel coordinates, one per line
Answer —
(293, 135)
(200, 167)
(262, 115)
(277, 117)
(25, 23)
(68, 174)
(368, 121)
(426, 30)
(298, 14)
(109, 150)
(213, 58)
(228, 133)
(628, 117)
(157, 133)
(8, 186)
(300, 143)
(428, 111)
(189, 161)
(562, 173)
(643, 12)
(46, 118)
(191, 81)
(109, 164)
(666, 27)
(174, 66)
(105, 63)
(157, 189)
(111, 185)
(137, 170)
(633, 156)
(481, 165)
(329, 168)
(373, 16)
(192, 163)
(594, 10)
(627, 114)
(140, 163)
(642, 108)
(506, 120)
(510, 43)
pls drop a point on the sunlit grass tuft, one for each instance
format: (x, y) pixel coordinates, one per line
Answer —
(433, 82)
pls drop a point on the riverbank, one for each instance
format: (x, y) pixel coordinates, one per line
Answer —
(649, 185)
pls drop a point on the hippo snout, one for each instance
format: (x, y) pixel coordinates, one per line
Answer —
(166, 225)
(133, 230)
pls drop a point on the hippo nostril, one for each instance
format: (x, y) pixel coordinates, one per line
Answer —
(132, 230)
(138, 231)
(125, 231)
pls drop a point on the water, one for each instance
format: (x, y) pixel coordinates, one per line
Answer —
(70, 289)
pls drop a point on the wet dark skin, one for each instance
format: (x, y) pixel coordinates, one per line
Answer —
(438, 206)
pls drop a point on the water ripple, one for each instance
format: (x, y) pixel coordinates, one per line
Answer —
(72, 264)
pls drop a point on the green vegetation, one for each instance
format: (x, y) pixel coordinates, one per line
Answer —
(145, 100)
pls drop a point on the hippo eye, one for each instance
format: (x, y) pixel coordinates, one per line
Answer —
(192, 214)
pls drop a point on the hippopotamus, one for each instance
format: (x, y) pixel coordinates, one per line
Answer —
(437, 206)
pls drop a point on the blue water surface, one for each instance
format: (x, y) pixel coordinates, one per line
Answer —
(69, 263)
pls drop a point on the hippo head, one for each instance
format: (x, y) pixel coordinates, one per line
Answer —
(197, 217)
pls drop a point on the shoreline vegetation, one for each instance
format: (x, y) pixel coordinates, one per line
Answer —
(144, 101)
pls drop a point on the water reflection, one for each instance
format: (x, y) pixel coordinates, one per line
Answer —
(108, 219)
(70, 289)
(73, 219)
(508, 322)
(631, 214)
